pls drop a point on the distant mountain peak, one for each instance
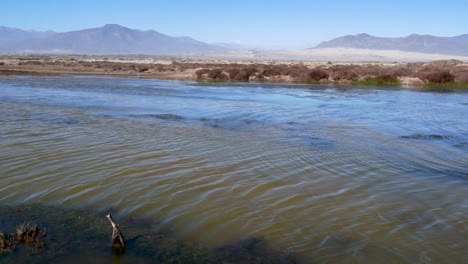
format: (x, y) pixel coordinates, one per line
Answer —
(114, 26)
(108, 39)
(457, 45)
(363, 35)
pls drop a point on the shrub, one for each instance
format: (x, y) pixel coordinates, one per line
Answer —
(297, 71)
(381, 80)
(461, 74)
(232, 72)
(201, 72)
(318, 74)
(269, 72)
(244, 74)
(217, 74)
(439, 77)
(344, 72)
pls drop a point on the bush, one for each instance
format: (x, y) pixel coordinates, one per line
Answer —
(244, 74)
(461, 74)
(344, 72)
(270, 72)
(218, 75)
(439, 77)
(232, 72)
(381, 80)
(200, 72)
(297, 71)
(318, 74)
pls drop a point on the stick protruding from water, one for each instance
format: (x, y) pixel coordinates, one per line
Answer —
(117, 237)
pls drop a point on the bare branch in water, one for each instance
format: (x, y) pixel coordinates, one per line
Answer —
(117, 237)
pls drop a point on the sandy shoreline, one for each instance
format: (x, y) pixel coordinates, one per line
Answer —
(400, 73)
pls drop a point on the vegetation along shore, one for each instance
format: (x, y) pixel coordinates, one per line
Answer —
(435, 74)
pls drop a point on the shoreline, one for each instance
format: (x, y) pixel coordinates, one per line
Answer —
(447, 73)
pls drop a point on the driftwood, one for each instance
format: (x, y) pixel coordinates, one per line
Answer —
(117, 237)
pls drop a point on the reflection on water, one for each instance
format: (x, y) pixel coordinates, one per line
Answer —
(325, 173)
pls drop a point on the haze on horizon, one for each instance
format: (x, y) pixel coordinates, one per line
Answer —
(260, 24)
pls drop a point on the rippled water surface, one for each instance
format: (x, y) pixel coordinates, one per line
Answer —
(326, 173)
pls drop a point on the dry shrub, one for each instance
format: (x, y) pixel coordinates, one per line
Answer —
(437, 76)
(318, 74)
(217, 74)
(374, 70)
(201, 72)
(299, 72)
(232, 72)
(244, 73)
(270, 72)
(343, 72)
(143, 69)
(400, 70)
(460, 73)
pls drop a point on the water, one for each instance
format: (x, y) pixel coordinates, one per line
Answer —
(327, 173)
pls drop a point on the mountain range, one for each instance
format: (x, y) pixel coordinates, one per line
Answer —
(109, 39)
(457, 45)
(116, 39)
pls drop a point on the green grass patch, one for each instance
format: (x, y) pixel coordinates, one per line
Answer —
(458, 85)
(379, 81)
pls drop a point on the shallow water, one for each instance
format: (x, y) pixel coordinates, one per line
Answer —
(327, 173)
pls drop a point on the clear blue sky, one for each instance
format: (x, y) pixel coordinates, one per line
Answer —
(263, 23)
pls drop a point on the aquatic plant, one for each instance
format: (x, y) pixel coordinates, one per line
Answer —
(29, 233)
(7, 244)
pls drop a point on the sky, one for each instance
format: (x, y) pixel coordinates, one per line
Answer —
(254, 23)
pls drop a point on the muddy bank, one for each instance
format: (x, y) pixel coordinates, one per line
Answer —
(74, 236)
(375, 73)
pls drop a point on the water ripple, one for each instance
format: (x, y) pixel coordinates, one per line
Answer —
(327, 174)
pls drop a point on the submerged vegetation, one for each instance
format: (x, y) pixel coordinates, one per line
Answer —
(84, 236)
(27, 234)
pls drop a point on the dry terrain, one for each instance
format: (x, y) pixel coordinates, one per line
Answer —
(362, 73)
